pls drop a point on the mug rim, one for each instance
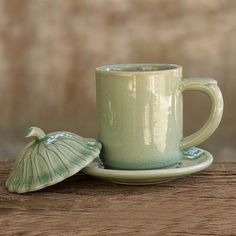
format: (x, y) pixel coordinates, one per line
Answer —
(139, 68)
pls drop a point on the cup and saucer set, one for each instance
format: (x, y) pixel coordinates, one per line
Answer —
(140, 133)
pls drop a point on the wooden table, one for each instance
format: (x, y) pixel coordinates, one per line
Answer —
(200, 204)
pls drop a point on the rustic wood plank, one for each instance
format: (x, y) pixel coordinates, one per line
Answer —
(201, 204)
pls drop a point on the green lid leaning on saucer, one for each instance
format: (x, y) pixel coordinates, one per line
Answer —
(50, 159)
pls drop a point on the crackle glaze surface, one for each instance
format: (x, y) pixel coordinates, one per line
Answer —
(139, 111)
(139, 115)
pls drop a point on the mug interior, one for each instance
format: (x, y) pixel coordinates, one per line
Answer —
(138, 68)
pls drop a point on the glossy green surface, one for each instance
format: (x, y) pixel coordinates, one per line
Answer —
(186, 166)
(140, 114)
(50, 159)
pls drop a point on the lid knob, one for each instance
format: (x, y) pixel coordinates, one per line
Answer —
(35, 132)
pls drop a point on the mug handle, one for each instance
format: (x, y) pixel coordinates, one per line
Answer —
(210, 88)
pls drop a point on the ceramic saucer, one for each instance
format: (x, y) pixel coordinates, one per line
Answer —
(194, 160)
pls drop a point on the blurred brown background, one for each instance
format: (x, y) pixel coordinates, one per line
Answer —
(49, 50)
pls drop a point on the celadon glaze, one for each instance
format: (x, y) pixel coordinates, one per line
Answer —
(49, 159)
(190, 164)
(140, 114)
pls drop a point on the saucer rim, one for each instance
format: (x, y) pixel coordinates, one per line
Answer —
(153, 173)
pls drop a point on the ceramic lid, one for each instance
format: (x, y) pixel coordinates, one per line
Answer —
(49, 159)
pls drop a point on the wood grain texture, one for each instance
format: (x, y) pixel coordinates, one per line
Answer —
(201, 204)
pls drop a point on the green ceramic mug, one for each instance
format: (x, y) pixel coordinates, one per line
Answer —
(140, 114)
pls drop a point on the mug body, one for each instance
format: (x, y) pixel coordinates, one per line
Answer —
(139, 114)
